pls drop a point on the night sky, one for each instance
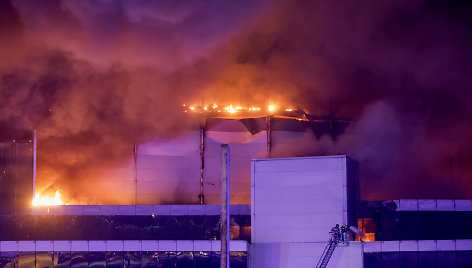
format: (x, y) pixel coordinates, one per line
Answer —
(95, 76)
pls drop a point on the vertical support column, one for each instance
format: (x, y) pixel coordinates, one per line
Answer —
(269, 136)
(224, 227)
(135, 154)
(34, 162)
(202, 159)
(15, 179)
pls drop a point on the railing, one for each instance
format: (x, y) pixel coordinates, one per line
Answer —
(336, 239)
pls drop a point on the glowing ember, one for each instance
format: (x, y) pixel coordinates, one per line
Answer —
(47, 201)
(230, 109)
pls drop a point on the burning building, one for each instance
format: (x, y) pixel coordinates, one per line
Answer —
(185, 169)
(103, 83)
(294, 202)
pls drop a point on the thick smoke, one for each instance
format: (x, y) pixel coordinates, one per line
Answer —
(400, 70)
(96, 77)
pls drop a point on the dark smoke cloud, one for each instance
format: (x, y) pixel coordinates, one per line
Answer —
(94, 77)
(97, 77)
(401, 70)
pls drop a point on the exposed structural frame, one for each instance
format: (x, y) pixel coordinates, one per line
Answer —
(202, 158)
(34, 161)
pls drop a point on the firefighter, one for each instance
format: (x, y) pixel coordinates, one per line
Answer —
(343, 232)
(335, 233)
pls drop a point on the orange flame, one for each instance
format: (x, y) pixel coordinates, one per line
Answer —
(47, 201)
(229, 108)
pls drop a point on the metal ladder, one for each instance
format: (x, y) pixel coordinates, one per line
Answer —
(327, 253)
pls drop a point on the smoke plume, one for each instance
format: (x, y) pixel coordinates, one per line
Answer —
(96, 77)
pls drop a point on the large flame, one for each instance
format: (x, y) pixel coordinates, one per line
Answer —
(240, 111)
(47, 201)
(232, 109)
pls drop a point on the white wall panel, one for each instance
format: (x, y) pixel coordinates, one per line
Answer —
(290, 235)
(427, 245)
(301, 164)
(446, 245)
(427, 204)
(62, 245)
(463, 205)
(150, 245)
(161, 209)
(374, 246)
(127, 210)
(202, 245)
(26, 245)
(178, 210)
(79, 245)
(465, 244)
(420, 245)
(9, 245)
(44, 246)
(409, 204)
(303, 255)
(300, 192)
(114, 245)
(167, 245)
(212, 210)
(297, 221)
(92, 210)
(144, 210)
(215, 245)
(196, 210)
(184, 245)
(445, 204)
(434, 204)
(109, 210)
(97, 245)
(350, 256)
(408, 245)
(119, 245)
(389, 246)
(238, 245)
(74, 210)
(298, 199)
(132, 245)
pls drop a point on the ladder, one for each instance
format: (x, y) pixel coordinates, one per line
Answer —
(327, 253)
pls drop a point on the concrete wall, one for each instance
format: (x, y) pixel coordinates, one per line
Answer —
(303, 255)
(294, 204)
(298, 199)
